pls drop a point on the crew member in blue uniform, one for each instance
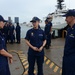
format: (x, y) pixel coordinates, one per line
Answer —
(48, 29)
(11, 33)
(4, 55)
(68, 67)
(18, 31)
(36, 40)
(5, 31)
(45, 30)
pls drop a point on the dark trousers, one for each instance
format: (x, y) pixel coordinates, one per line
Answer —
(48, 40)
(11, 38)
(5, 70)
(68, 67)
(39, 60)
(18, 38)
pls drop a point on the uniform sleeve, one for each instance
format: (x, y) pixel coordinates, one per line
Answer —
(1, 44)
(51, 24)
(44, 36)
(27, 36)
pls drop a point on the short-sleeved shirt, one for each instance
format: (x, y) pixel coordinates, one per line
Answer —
(47, 28)
(3, 59)
(69, 48)
(36, 38)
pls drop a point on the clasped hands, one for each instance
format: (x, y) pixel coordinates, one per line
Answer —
(38, 49)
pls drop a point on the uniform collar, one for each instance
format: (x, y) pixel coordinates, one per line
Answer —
(73, 27)
(0, 32)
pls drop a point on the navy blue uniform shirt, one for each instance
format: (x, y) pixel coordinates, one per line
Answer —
(3, 59)
(47, 28)
(18, 29)
(36, 38)
(70, 42)
(11, 29)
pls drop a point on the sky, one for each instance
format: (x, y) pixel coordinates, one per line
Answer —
(27, 9)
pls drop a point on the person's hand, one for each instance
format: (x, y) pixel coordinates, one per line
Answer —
(40, 49)
(11, 59)
(35, 48)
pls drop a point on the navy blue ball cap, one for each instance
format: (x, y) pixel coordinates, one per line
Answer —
(70, 13)
(2, 19)
(34, 19)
